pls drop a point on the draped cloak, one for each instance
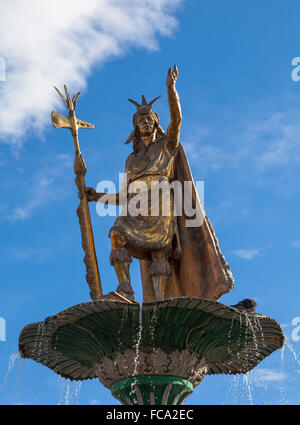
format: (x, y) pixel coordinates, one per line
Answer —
(198, 267)
(201, 271)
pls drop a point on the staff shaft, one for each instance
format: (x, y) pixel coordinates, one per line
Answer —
(87, 237)
(83, 212)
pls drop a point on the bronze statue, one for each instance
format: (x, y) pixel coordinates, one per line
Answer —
(180, 259)
(175, 260)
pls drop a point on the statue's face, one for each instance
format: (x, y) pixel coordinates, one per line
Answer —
(146, 124)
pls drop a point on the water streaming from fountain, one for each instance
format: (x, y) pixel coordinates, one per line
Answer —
(62, 383)
(123, 323)
(235, 385)
(67, 395)
(137, 348)
(11, 363)
(290, 347)
(253, 330)
(77, 391)
(283, 398)
(18, 380)
(69, 391)
(249, 380)
(234, 390)
(246, 381)
(119, 334)
(138, 340)
(153, 323)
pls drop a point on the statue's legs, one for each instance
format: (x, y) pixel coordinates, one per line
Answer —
(120, 259)
(159, 272)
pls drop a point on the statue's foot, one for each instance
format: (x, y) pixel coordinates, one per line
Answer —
(126, 291)
(115, 296)
(127, 295)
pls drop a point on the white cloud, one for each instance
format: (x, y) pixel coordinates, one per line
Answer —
(29, 254)
(94, 402)
(271, 141)
(261, 145)
(255, 144)
(210, 157)
(56, 42)
(261, 377)
(296, 244)
(46, 185)
(246, 254)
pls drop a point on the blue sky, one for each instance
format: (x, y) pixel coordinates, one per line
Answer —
(241, 131)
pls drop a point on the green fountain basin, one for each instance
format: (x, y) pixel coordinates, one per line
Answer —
(181, 338)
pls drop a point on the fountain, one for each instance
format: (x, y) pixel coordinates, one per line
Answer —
(159, 364)
(158, 351)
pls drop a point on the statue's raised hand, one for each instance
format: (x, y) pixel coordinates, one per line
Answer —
(172, 77)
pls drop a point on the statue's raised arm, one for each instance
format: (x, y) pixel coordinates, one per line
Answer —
(173, 132)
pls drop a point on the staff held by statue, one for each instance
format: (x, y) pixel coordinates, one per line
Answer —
(73, 123)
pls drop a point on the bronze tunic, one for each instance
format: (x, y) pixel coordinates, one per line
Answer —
(153, 163)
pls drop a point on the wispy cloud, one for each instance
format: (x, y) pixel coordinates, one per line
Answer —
(47, 42)
(296, 244)
(43, 186)
(33, 255)
(211, 157)
(94, 402)
(271, 142)
(260, 146)
(258, 142)
(262, 377)
(246, 254)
